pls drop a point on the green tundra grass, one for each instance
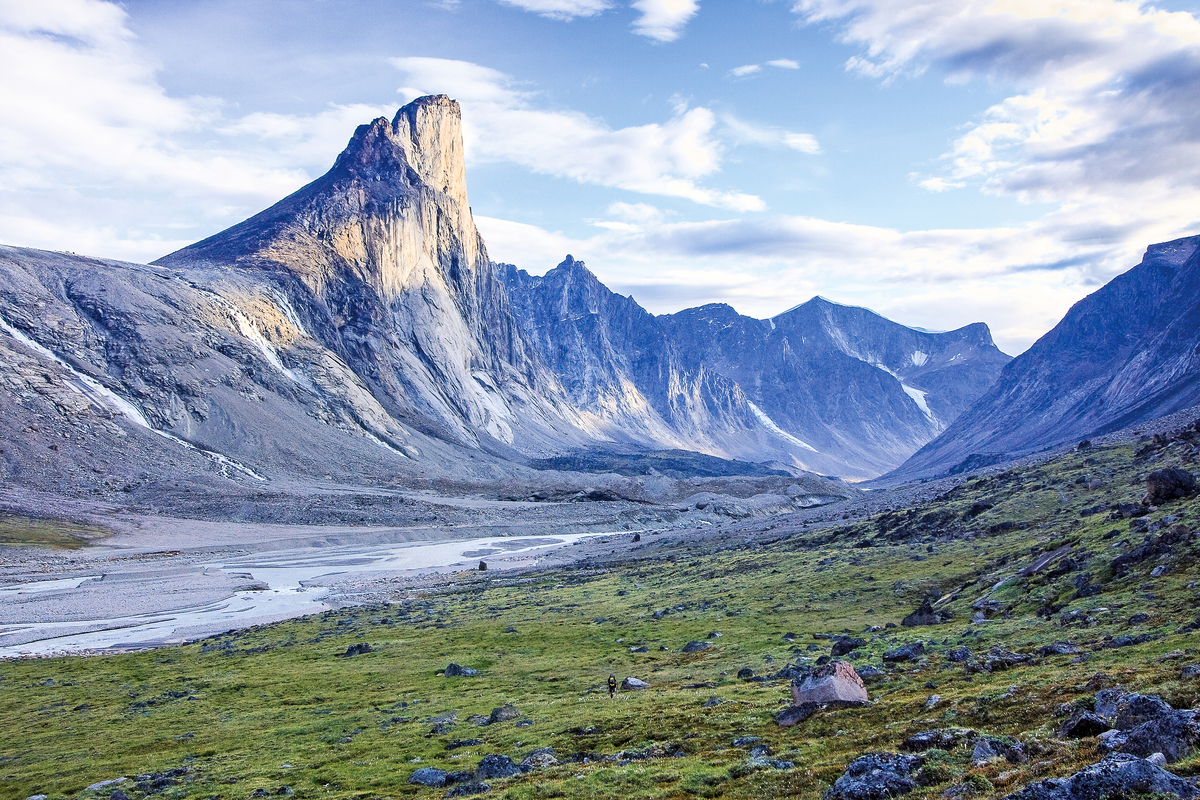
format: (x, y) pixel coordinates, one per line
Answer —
(276, 710)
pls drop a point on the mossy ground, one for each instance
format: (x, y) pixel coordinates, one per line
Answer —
(21, 531)
(277, 707)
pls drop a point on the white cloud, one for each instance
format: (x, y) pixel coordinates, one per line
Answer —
(743, 71)
(1103, 123)
(561, 9)
(938, 279)
(750, 133)
(784, 63)
(664, 20)
(804, 142)
(502, 124)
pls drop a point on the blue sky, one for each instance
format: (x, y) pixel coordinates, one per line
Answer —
(941, 163)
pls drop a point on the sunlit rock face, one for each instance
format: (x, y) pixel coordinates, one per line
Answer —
(357, 329)
(382, 259)
(1124, 354)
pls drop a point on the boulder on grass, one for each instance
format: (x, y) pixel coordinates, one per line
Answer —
(634, 684)
(1118, 775)
(836, 681)
(428, 776)
(1081, 724)
(455, 671)
(1176, 735)
(876, 776)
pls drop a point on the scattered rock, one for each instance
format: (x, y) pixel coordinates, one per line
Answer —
(455, 671)
(503, 714)
(539, 759)
(1190, 671)
(869, 674)
(467, 789)
(1081, 724)
(639, 649)
(356, 650)
(908, 652)
(712, 702)
(496, 766)
(941, 738)
(1138, 708)
(429, 776)
(634, 684)
(1118, 775)
(998, 659)
(1175, 734)
(925, 615)
(1164, 485)
(745, 741)
(876, 776)
(95, 787)
(1058, 649)
(745, 673)
(960, 654)
(846, 644)
(696, 647)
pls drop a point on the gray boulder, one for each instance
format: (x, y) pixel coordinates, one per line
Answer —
(1118, 775)
(876, 776)
(455, 671)
(1176, 735)
(503, 714)
(1139, 708)
(941, 738)
(696, 647)
(634, 684)
(429, 776)
(496, 766)
(908, 652)
(538, 759)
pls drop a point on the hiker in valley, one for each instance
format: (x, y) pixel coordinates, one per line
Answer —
(612, 684)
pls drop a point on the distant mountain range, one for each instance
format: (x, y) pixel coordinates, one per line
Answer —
(1127, 353)
(357, 329)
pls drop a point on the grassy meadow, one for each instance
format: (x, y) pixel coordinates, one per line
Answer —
(277, 711)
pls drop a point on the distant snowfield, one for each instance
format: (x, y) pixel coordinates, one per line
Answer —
(129, 610)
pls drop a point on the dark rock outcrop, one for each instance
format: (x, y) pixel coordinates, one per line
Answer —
(1117, 775)
(876, 776)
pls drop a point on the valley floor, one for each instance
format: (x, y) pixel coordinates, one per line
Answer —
(1051, 561)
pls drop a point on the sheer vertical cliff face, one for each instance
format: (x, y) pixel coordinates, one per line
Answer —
(382, 258)
(1124, 354)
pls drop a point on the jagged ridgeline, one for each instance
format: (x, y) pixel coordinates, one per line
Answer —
(357, 328)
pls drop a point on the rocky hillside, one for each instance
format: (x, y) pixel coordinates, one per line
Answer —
(826, 387)
(1124, 354)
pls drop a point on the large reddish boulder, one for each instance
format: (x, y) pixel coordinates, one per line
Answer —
(834, 682)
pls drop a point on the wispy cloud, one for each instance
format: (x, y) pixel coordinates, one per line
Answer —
(743, 132)
(664, 20)
(561, 9)
(743, 71)
(784, 63)
(504, 123)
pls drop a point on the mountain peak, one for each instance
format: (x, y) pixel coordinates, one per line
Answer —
(429, 131)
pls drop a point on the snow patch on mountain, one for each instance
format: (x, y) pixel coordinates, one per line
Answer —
(770, 425)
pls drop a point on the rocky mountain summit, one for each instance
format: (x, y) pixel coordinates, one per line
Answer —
(1125, 354)
(357, 331)
(826, 387)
